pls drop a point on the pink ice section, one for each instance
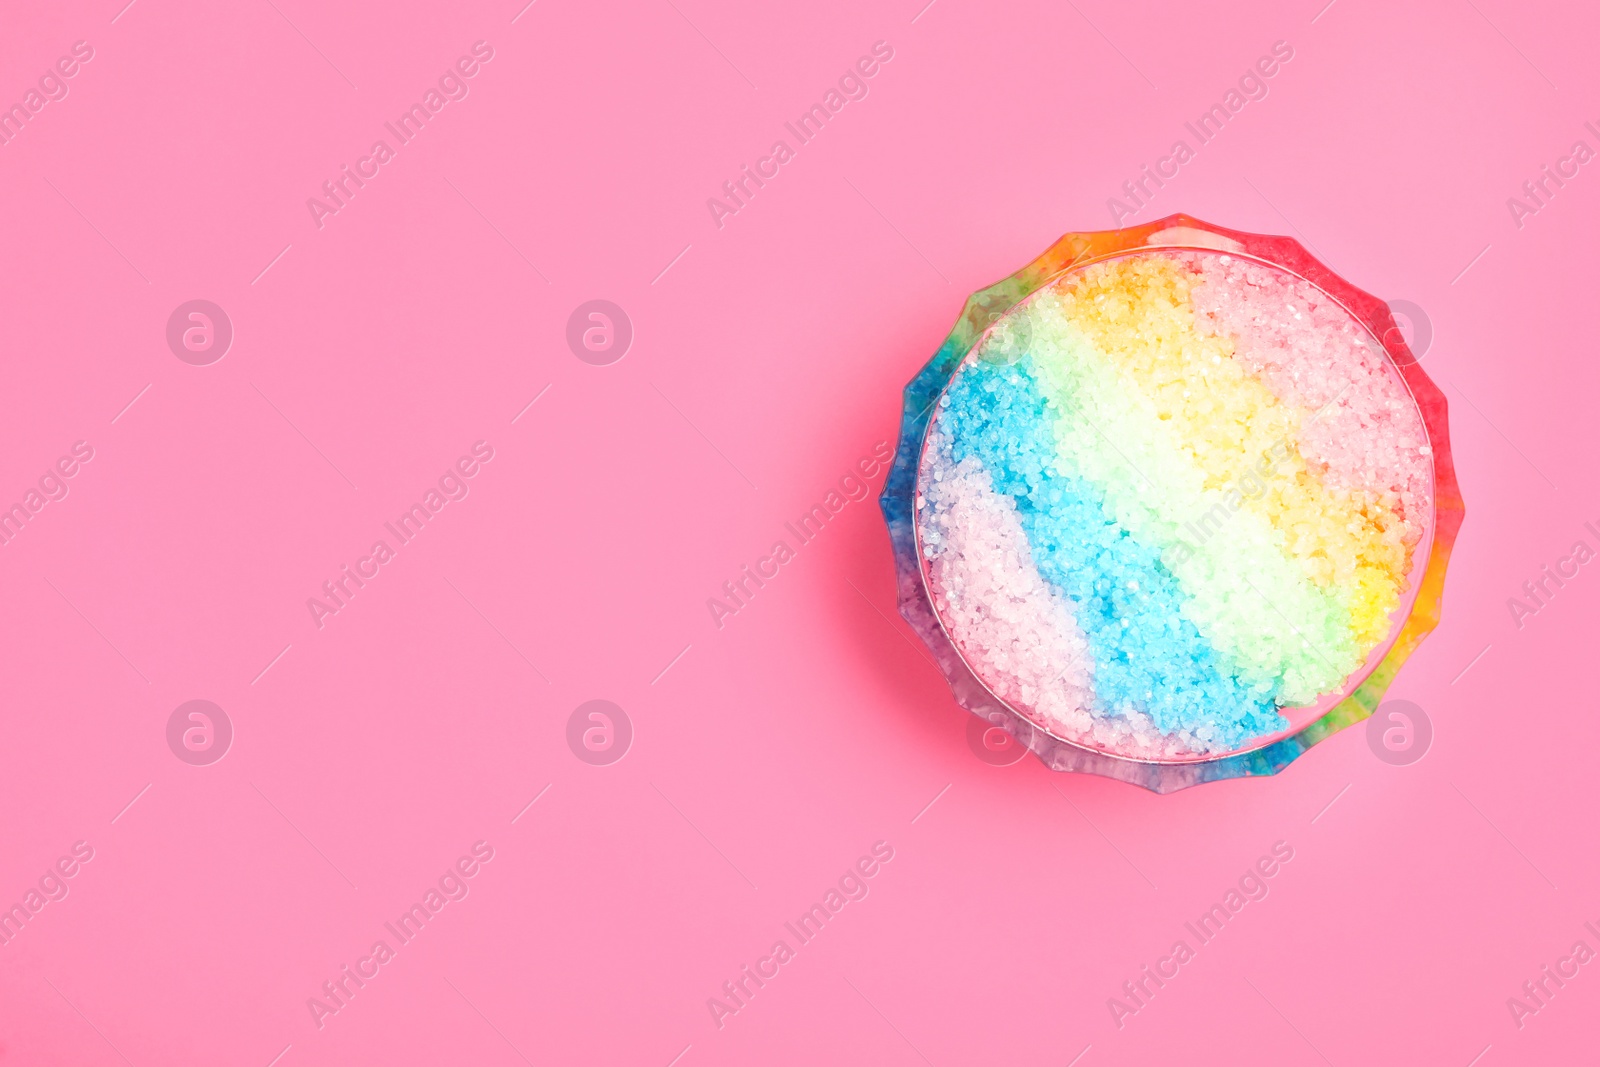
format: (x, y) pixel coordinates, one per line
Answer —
(1361, 430)
(1013, 628)
(767, 363)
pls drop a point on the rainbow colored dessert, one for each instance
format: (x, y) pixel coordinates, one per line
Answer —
(1170, 504)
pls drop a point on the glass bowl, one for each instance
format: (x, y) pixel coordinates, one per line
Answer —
(1198, 472)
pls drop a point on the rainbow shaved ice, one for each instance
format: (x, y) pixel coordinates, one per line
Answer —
(1169, 497)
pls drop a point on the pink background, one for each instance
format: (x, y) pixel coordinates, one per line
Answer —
(766, 361)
